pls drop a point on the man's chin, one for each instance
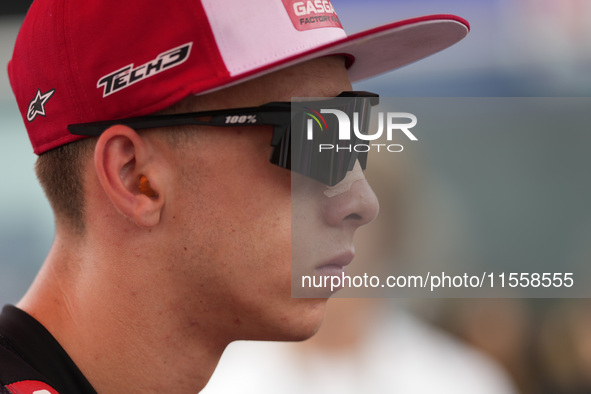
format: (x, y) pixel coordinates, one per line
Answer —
(304, 321)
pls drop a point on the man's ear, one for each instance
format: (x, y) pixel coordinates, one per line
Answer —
(125, 166)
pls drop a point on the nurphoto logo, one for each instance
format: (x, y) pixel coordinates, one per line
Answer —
(395, 122)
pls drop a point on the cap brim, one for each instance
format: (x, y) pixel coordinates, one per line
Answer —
(381, 49)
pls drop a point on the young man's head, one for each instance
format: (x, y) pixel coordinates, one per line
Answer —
(200, 218)
(176, 233)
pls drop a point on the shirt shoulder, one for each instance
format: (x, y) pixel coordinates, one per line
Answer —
(17, 376)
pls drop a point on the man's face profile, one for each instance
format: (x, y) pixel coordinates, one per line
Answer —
(231, 218)
(177, 236)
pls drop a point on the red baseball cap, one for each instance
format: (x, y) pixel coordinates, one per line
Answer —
(85, 61)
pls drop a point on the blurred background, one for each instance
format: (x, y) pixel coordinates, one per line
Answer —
(532, 48)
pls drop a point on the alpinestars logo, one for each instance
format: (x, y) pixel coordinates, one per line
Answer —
(37, 105)
(128, 75)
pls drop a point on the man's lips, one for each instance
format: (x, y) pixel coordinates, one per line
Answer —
(336, 265)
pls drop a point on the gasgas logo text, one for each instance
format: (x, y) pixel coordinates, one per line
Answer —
(312, 14)
(305, 8)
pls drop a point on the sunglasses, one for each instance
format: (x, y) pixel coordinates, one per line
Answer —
(304, 141)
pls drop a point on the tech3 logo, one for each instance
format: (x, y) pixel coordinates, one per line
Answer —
(128, 75)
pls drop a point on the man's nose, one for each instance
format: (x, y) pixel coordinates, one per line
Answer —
(352, 202)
